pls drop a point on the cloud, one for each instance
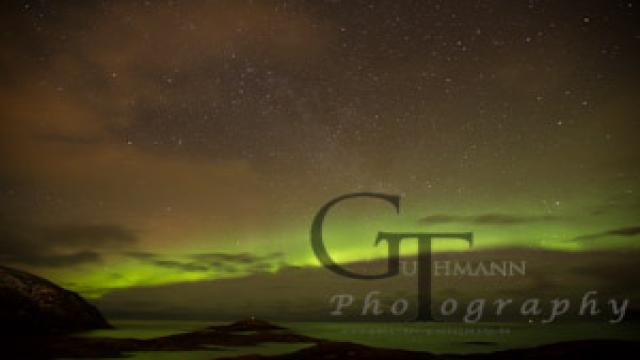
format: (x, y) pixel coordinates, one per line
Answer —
(157, 260)
(238, 258)
(140, 255)
(302, 293)
(184, 266)
(216, 262)
(88, 141)
(488, 219)
(60, 245)
(240, 262)
(622, 232)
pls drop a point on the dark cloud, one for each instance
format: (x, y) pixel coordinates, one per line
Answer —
(219, 262)
(57, 246)
(624, 232)
(158, 260)
(140, 255)
(260, 267)
(184, 266)
(239, 258)
(224, 267)
(488, 219)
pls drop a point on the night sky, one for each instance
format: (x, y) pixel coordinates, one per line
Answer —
(157, 142)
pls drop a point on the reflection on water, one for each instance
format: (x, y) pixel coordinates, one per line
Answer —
(263, 349)
(463, 338)
(147, 329)
(431, 337)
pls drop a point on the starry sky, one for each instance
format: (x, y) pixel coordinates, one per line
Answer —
(155, 142)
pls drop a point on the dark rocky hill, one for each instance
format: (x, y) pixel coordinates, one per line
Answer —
(31, 305)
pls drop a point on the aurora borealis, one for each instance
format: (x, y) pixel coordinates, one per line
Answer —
(153, 143)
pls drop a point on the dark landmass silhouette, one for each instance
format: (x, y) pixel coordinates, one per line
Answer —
(37, 317)
(250, 324)
(31, 305)
(242, 333)
(253, 332)
(592, 349)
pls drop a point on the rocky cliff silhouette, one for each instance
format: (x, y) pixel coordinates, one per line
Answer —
(31, 305)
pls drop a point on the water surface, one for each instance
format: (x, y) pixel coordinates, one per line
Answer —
(431, 337)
